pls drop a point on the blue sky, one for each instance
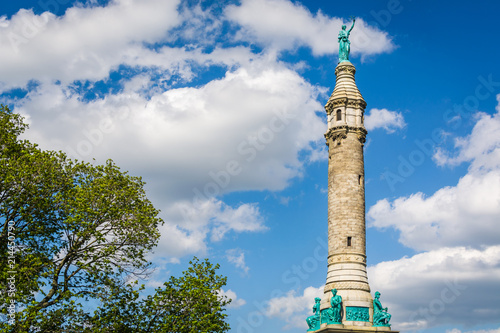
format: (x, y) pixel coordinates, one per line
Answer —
(219, 107)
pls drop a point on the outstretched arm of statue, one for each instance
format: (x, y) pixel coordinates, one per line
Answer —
(353, 21)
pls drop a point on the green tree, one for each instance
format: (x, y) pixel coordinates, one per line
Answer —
(71, 232)
(191, 303)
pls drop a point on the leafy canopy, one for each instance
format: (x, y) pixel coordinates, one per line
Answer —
(73, 232)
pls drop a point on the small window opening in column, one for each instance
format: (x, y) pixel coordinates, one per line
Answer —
(339, 115)
(360, 179)
(349, 241)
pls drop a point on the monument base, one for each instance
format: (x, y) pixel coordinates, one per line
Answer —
(352, 329)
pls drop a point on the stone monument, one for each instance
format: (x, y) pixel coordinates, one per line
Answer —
(346, 277)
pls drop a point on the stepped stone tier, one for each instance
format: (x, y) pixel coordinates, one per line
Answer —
(347, 304)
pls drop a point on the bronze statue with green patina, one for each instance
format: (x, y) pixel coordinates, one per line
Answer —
(380, 315)
(314, 321)
(344, 43)
(333, 315)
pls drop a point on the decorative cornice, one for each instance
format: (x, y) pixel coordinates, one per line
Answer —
(348, 257)
(347, 285)
(349, 68)
(332, 104)
(337, 133)
(356, 104)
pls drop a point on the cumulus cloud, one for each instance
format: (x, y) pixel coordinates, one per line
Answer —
(293, 308)
(268, 21)
(450, 285)
(237, 132)
(456, 285)
(466, 214)
(456, 330)
(481, 147)
(390, 121)
(455, 280)
(84, 43)
(189, 226)
(237, 257)
(235, 301)
(240, 132)
(243, 127)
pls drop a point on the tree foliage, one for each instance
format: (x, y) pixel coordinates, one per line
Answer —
(71, 232)
(191, 303)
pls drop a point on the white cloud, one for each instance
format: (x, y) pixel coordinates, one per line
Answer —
(390, 121)
(446, 286)
(269, 22)
(237, 257)
(177, 242)
(189, 225)
(235, 301)
(292, 308)
(456, 330)
(84, 43)
(481, 147)
(454, 282)
(243, 127)
(239, 132)
(466, 214)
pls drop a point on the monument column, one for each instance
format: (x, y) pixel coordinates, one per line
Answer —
(346, 200)
(347, 305)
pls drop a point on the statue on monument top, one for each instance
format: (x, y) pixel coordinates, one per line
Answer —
(344, 43)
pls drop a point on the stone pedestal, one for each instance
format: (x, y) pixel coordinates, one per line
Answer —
(351, 329)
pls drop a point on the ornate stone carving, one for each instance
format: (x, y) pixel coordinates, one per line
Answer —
(361, 132)
(346, 285)
(335, 103)
(337, 133)
(357, 104)
(347, 258)
(332, 104)
(345, 68)
(357, 313)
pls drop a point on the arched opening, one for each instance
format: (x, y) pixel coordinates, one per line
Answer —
(339, 115)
